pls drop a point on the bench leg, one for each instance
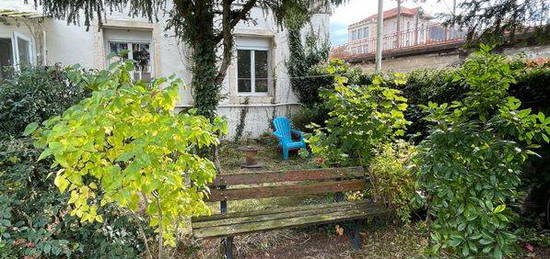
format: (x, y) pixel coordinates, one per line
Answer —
(227, 243)
(356, 237)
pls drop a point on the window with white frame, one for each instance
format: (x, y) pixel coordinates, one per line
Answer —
(139, 52)
(137, 46)
(253, 71)
(15, 52)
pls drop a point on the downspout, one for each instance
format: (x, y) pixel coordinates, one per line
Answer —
(44, 49)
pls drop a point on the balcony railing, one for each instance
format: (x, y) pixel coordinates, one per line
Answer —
(432, 35)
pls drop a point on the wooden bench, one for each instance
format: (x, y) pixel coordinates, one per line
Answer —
(284, 183)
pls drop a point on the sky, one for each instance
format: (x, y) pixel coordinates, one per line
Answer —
(357, 10)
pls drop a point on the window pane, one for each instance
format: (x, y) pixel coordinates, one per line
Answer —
(243, 71)
(140, 53)
(6, 56)
(24, 49)
(117, 47)
(261, 64)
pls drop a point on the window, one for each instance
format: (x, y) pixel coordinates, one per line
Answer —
(252, 71)
(138, 52)
(16, 51)
(6, 53)
(366, 32)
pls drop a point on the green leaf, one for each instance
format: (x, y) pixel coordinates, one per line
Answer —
(30, 129)
(455, 242)
(497, 253)
(499, 208)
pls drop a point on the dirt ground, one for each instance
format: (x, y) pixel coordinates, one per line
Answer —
(322, 242)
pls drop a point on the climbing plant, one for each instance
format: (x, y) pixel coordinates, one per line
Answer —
(471, 161)
(124, 145)
(303, 57)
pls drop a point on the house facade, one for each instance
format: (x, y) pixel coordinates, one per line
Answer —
(362, 34)
(256, 84)
(416, 28)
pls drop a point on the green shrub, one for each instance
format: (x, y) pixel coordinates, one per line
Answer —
(393, 177)
(361, 118)
(428, 85)
(35, 94)
(316, 113)
(35, 220)
(33, 215)
(321, 77)
(471, 161)
(125, 146)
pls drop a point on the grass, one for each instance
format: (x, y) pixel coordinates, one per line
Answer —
(268, 154)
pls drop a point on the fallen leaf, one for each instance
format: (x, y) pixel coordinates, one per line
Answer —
(339, 230)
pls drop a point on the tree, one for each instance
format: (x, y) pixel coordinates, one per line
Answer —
(493, 21)
(203, 25)
(124, 145)
(471, 162)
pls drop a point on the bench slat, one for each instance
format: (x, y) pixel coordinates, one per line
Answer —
(266, 211)
(285, 190)
(301, 211)
(289, 176)
(297, 221)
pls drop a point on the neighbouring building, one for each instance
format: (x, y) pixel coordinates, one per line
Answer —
(256, 81)
(415, 28)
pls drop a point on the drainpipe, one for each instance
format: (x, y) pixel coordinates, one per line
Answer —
(44, 49)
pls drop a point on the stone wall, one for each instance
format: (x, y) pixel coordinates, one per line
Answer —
(447, 59)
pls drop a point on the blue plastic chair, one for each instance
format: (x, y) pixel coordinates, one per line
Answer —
(283, 131)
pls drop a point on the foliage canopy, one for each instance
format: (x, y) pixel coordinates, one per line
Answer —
(498, 21)
(360, 119)
(35, 94)
(472, 159)
(33, 213)
(125, 145)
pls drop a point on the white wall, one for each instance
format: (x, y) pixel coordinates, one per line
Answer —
(70, 44)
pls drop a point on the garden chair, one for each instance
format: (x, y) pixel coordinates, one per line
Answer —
(283, 131)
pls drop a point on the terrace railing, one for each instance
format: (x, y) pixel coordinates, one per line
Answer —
(413, 38)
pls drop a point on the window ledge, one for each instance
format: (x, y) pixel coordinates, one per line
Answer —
(252, 99)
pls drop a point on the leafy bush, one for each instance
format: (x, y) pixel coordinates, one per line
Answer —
(319, 78)
(124, 145)
(472, 159)
(393, 177)
(360, 119)
(35, 94)
(306, 115)
(33, 215)
(428, 85)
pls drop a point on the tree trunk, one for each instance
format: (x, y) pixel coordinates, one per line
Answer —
(206, 90)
